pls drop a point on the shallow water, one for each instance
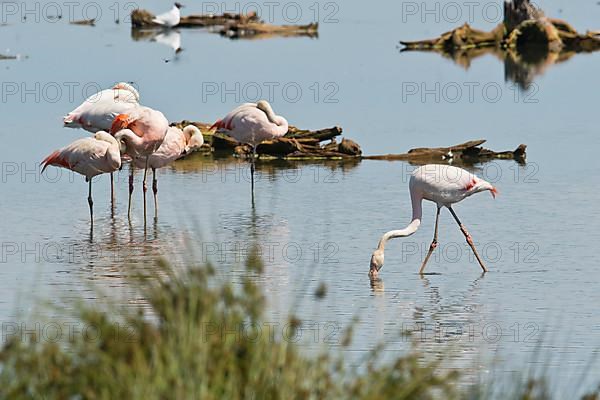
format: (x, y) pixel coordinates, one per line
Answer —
(319, 222)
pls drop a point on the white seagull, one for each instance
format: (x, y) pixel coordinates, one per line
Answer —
(170, 18)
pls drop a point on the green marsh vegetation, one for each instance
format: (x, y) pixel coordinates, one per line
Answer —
(174, 349)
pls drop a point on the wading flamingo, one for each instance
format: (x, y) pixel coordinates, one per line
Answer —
(444, 185)
(89, 157)
(176, 144)
(98, 112)
(253, 123)
(171, 18)
(140, 132)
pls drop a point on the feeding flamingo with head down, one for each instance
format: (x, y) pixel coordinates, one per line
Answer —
(253, 123)
(176, 144)
(140, 132)
(444, 185)
(89, 157)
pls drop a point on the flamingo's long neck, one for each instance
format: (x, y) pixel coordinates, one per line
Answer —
(417, 213)
(132, 141)
(275, 119)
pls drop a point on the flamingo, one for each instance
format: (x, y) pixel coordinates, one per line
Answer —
(98, 111)
(171, 18)
(444, 185)
(140, 132)
(253, 123)
(176, 144)
(89, 157)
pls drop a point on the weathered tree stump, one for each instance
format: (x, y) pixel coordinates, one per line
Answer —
(528, 39)
(518, 11)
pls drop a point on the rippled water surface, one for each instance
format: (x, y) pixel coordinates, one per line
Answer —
(318, 222)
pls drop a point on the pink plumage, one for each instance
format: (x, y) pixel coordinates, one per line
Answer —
(89, 156)
(139, 132)
(143, 130)
(177, 143)
(253, 123)
(98, 111)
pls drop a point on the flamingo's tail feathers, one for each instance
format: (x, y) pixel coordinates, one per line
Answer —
(54, 159)
(217, 125)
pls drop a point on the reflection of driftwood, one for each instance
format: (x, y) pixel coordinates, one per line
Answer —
(296, 144)
(529, 41)
(247, 26)
(255, 30)
(466, 153)
(88, 22)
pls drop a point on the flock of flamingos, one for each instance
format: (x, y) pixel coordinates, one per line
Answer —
(126, 131)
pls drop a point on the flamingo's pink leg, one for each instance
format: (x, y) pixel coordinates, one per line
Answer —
(145, 187)
(155, 191)
(434, 243)
(463, 229)
(91, 202)
(131, 171)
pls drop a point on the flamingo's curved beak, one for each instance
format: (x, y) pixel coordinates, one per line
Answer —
(494, 192)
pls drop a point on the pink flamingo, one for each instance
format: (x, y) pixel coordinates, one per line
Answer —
(89, 157)
(253, 123)
(98, 112)
(140, 132)
(444, 185)
(176, 144)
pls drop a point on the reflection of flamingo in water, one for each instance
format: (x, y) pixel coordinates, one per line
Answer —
(252, 124)
(443, 185)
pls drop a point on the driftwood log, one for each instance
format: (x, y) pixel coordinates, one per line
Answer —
(88, 22)
(296, 144)
(526, 40)
(234, 26)
(300, 144)
(465, 153)
(144, 19)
